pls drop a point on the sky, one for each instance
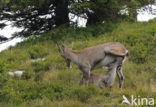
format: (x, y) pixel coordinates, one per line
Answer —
(146, 15)
(9, 30)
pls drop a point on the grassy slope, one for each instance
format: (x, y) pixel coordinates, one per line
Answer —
(51, 83)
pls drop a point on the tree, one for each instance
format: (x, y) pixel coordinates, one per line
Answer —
(61, 12)
(99, 11)
(39, 16)
(36, 16)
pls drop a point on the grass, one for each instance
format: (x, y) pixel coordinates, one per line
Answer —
(50, 83)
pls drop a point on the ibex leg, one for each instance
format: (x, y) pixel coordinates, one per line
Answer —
(85, 77)
(120, 75)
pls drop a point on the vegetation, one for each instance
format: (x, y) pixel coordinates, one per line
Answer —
(50, 83)
(38, 16)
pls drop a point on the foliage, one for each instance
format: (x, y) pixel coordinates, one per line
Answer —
(51, 83)
(83, 94)
(2, 66)
(39, 16)
(41, 66)
(137, 39)
(63, 32)
(35, 16)
(37, 52)
(113, 10)
(27, 75)
(3, 3)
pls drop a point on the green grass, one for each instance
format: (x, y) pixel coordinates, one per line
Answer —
(50, 83)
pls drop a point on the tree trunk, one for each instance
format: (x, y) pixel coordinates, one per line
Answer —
(92, 19)
(61, 12)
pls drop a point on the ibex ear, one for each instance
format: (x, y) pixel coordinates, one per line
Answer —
(72, 45)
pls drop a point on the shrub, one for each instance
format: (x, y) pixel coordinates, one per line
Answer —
(8, 92)
(41, 66)
(2, 66)
(61, 84)
(81, 33)
(138, 45)
(84, 93)
(32, 40)
(37, 51)
(26, 75)
(68, 76)
(55, 91)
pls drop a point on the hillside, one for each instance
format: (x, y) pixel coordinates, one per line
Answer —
(50, 83)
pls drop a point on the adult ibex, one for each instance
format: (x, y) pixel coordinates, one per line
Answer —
(109, 55)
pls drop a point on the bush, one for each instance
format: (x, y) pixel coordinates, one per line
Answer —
(2, 66)
(17, 91)
(64, 32)
(41, 66)
(140, 46)
(26, 75)
(140, 53)
(37, 51)
(8, 92)
(84, 93)
(61, 84)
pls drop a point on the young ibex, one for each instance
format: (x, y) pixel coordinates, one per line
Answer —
(101, 56)
(106, 80)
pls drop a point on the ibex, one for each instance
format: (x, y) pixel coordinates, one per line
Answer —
(100, 56)
(106, 80)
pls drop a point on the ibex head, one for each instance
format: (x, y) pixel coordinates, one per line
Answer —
(64, 52)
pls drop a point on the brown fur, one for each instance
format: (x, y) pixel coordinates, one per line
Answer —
(95, 57)
(105, 80)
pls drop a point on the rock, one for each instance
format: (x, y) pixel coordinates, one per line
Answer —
(37, 60)
(11, 73)
(19, 73)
